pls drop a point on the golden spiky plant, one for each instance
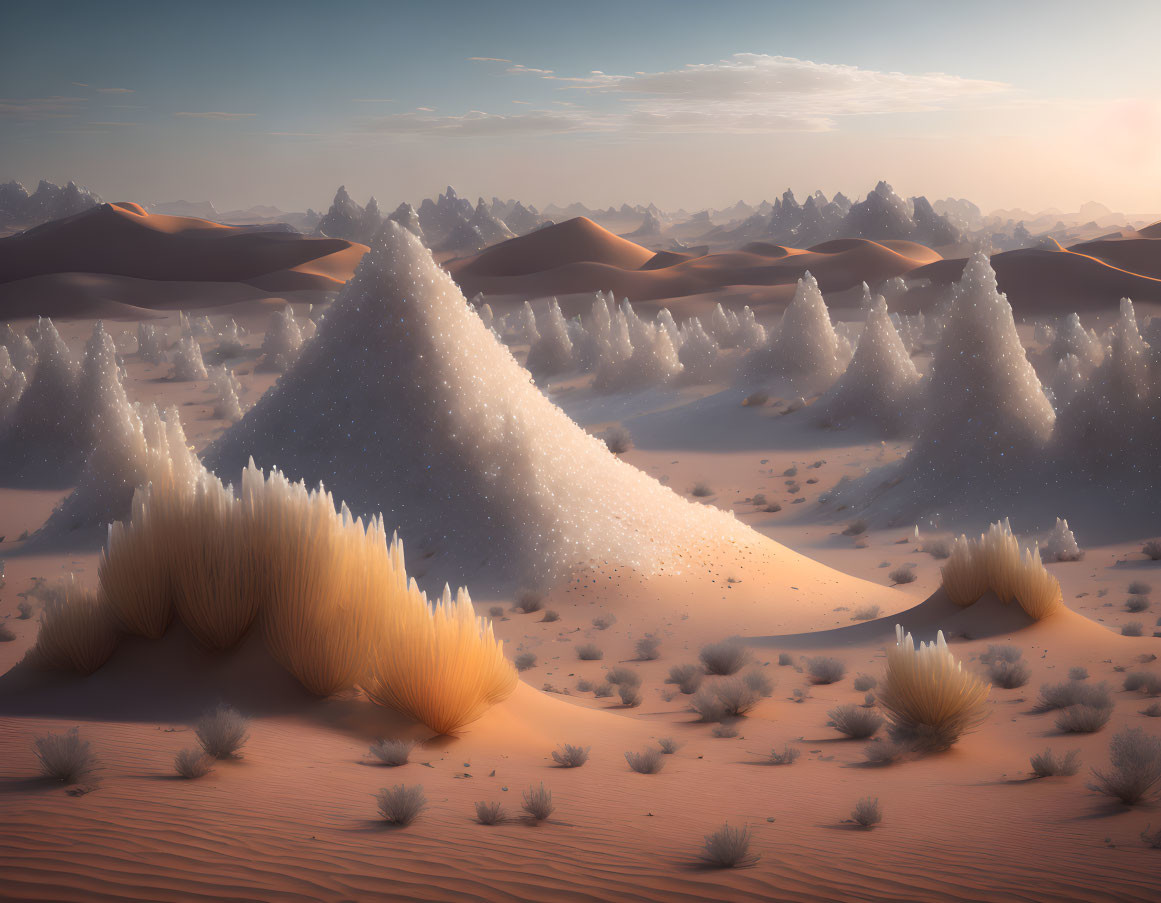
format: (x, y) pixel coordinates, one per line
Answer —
(135, 569)
(964, 580)
(323, 574)
(439, 663)
(215, 578)
(77, 632)
(1036, 590)
(930, 700)
(994, 562)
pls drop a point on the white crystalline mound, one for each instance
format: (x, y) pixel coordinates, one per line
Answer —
(1061, 544)
(187, 360)
(226, 387)
(552, 353)
(136, 447)
(983, 398)
(282, 341)
(1111, 425)
(406, 403)
(804, 349)
(151, 343)
(12, 385)
(879, 385)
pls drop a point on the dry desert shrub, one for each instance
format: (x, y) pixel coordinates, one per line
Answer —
(622, 676)
(525, 660)
(929, 698)
(1153, 710)
(758, 681)
(589, 652)
(864, 682)
(1001, 653)
(855, 528)
(584, 685)
(668, 746)
(1078, 672)
(496, 611)
(1139, 588)
(726, 657)
(24, 610)
(618, 440)
(529, 602)
(1133, 628)
(630, 695)
(538, 803)
(1152, 549)
(391, 752)
(193, 763)
(569, 756)
(905, 573)
(728, 848)
(1074, 692)
(550, 616)
(222, 731)
(701, 491)
(1048, 764)
(1083, 719)
(77, 633)
(64, 757)
(784, 659)
(855, 722)
(788, 756)
(605, 621)
(824, 670)
(867, 813)
(648, 648)
(603, 691)
(1008, 675)
(688, 678)
(885, 752)
(489, 813)
(1137, 604)
(1143, 681)
(865, 613)
(1134, 771)
(724, 731)
(648, 761)
(994, 562)
(401, 804)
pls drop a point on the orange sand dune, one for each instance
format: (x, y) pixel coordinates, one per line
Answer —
(124, 240)
(582, 257)
(1092, 276)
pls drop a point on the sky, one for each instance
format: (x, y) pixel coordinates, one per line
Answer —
(1015, 104)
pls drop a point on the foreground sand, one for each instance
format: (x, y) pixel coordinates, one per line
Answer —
(295, 818)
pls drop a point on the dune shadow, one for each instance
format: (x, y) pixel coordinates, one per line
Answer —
(173, 680)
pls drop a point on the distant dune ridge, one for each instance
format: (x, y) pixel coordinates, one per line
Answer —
(580, 256)
(462, 453)
(123, 240)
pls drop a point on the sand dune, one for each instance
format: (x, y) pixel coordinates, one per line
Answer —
(579, 256)
(124, 240)
(1090, 276)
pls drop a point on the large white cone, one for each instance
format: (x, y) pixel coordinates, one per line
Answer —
(406, 403)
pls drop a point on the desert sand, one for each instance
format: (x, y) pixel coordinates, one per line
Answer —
(294, 817)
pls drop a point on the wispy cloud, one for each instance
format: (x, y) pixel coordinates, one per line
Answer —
(30, 108)
(114, 90)
(372, 100)
(476, 124)
(213, 114)
(487, 59)
(751, 93)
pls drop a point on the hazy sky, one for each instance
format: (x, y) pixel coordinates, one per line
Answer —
(1015, 103)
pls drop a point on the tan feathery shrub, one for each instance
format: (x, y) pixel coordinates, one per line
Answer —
(994, 562)
(77, 633)
(927, 695)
